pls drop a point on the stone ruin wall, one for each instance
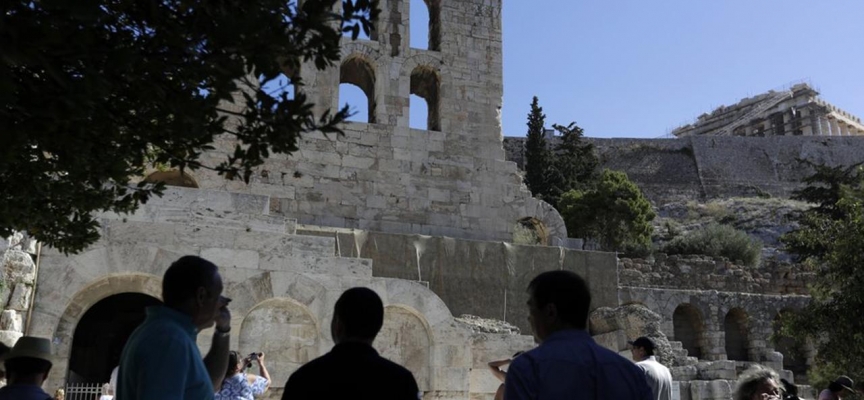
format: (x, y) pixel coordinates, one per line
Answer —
(716, 167)
(18, 255)
(449, 180)
(710, 273)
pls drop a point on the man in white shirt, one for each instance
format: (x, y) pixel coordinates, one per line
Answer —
(657, 375)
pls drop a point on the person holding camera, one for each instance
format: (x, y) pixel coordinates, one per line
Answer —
(239, 385)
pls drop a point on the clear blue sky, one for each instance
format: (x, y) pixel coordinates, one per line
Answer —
(637, 68)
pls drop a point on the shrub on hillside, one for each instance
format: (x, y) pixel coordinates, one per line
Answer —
(718, 240)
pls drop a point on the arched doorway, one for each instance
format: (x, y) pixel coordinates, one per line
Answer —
(101, 334)
(736, 326)
(688, 329)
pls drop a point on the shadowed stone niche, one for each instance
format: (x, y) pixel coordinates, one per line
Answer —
(689, 329)
(405, 339)
(285, 331)
(736, 326)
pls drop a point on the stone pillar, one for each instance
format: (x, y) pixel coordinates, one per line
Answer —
(844, 129)
(787, 123)
(824, 126)
(835, 127)
(806, 123)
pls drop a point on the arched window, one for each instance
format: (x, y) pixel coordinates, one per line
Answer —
(357, 89)
(426, 24)
(736, 326)
(689, 329)
(425, 88)
(174, 177)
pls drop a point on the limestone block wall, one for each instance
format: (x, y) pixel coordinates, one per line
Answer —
(450, 179)
(717, 167)
(486, 279)
(17, 278)
(708, 273)
(284, 288)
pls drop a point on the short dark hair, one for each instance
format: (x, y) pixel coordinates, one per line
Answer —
(184, 277)
(567, 291)
(361, 312)
(26, 366)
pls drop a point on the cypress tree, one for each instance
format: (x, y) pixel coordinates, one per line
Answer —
(537, 154)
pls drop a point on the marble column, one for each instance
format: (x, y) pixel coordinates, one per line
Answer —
(844, 129)
(835, 127)
(825, 127)
(787, 123)
(806, 123)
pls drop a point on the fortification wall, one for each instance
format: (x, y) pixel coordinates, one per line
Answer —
(714, 167)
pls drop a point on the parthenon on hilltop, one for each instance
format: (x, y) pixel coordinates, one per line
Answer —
(798, 111)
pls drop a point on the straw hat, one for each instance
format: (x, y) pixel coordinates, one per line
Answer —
(31, 347)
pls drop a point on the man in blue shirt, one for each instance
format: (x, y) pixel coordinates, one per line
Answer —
(161, 360)
(568, 364)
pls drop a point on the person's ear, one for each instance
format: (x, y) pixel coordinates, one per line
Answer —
(200, 296)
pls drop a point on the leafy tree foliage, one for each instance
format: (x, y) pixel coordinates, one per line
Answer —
(538, 157)
(574, 163)
(829, 241)
(718, 240)
(614, 211)
(91, 93)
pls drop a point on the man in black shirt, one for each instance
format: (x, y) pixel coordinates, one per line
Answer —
(353, 369)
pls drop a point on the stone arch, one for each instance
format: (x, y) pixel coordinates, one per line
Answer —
(174, 177)
(689, 329)
(530, 230)
(405, 338)
(101, 334)
(549, 216)
(83, 300)
(285, 330)
(360, 71)
(736, 326)
(426, 84)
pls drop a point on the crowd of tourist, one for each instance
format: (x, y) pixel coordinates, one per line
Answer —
(161, 359)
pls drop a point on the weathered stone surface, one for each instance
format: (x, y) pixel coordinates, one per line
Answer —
(11, 321)
(485, 325)
(711, 390)
(10, 337)
(20, 299)
(634, 321)
(19, 266)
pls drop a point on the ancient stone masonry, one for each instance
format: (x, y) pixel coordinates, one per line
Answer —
(17, 279)
(796, 111)
(451, 179)
(706, 273)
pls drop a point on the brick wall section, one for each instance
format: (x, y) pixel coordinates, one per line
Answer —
(706, 273)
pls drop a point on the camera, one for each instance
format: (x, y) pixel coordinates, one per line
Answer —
(253, 356)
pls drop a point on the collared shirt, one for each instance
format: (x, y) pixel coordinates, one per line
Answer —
(351, 371)
(570, 365)
(658, 377)
(161, 360)
(828, 395)
(23, 392)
